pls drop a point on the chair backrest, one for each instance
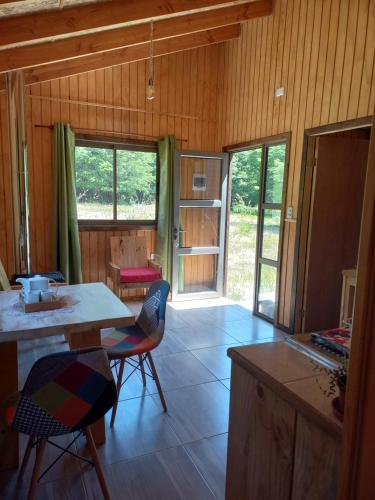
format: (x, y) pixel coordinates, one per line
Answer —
(4, 282)
(65, 392)
(152, 316)
(129, 251)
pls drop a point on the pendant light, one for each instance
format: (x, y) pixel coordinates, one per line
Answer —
(150, 84)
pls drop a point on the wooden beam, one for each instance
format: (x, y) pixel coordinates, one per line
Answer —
(129, 54)
(44, 53)
(98, 16)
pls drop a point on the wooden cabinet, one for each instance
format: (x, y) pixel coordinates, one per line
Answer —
(261, 441)
(283, 442)
(316, 464)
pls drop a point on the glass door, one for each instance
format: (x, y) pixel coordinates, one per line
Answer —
(200, 191)
(269, 230)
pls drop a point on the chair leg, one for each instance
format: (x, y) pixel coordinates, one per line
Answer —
(119, 382)
(36, 471)
(142, 369)
(26, 456)
(98, 467)
(157, 381)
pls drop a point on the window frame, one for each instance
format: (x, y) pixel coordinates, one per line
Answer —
(120, 144)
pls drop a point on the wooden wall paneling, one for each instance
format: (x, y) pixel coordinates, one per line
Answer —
(100, 98)
(91, 95)
(322, 61)
(82, 96)
(108, 99)
(339, 61)
(322, 52)
(348, 63)
(281, 58)
(37, 242)
(283, 76)
(326, 92)
(6, 210)
(364, 107)
(307, 117)
(141, 96)
(46, 175)
(358, 59)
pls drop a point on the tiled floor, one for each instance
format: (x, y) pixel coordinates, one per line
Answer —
(150, 454)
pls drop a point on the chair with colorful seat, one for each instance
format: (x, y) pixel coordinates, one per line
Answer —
(122, 344)
(65, 392)
(130, 266)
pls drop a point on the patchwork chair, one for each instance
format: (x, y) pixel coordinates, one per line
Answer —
(130, 266)
(123, 344)
(64, 392)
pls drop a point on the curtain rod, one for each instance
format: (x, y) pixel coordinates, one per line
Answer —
(145, 136)
(109, 106)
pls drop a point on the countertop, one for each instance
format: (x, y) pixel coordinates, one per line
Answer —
(294, 376)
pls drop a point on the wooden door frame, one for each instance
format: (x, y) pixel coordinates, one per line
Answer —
(244, 146)
(358, 458)
(304, 209)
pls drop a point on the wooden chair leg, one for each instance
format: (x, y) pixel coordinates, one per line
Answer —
(26, 456)
(97, 465)
(119, 382)
(157, 381)
(36, 471)
(142, 369)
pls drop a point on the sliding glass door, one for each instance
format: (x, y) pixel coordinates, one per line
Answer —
(269, 230)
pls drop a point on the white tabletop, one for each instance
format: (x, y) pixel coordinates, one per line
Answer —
(87, 306)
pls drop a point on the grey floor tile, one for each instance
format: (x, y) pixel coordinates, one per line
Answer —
(246, 331)
(203, 336)
(166, 475)
(226, 382)
(133, 387)
(179, 370)
(169, 345)
(210, 457)
(215, 359)
(198, 411)
(141, 427)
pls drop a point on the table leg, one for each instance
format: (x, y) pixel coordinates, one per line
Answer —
(9, 453)
(79, 341)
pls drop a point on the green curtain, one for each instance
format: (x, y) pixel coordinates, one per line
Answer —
(66, 247)
(4, 282)
(166, 147)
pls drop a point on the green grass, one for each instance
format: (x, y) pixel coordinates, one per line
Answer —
(100, 211)
(242, 252)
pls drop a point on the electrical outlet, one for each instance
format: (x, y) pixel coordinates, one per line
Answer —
(289, 213)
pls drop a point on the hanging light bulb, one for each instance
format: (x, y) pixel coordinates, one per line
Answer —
(150, 93)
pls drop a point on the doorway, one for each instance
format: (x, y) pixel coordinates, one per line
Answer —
(200, 193)
(254, 224)
(332, 187)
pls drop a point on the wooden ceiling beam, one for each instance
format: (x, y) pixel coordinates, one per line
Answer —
(98, 16)
(130, 54)
(59, 50)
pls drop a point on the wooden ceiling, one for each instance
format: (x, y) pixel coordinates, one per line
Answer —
(74, 36)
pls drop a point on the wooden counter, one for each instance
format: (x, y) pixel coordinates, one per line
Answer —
(284, 442)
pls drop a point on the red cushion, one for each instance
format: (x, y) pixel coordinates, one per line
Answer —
(139, 275)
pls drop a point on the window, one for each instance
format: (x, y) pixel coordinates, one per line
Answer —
(116, 182)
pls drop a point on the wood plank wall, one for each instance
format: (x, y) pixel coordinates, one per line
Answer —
(322, 52)
(6, 206)
(186, 84)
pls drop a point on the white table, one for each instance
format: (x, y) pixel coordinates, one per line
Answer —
(87, 309)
